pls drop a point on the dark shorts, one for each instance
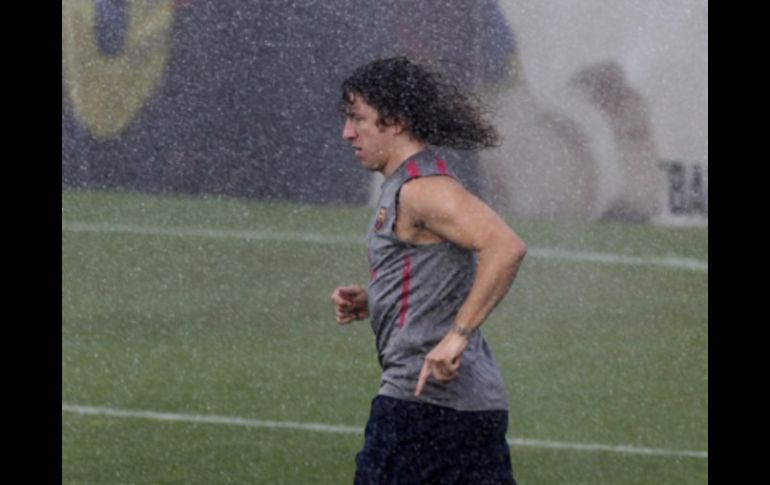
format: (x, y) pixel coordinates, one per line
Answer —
(416, 443)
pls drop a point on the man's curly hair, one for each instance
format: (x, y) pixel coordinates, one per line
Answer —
(432, 109)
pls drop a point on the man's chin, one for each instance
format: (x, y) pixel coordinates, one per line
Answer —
(372, 166)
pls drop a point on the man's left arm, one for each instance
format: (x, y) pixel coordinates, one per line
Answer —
(446, 209)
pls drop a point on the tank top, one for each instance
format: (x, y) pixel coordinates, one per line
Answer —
(415, 292)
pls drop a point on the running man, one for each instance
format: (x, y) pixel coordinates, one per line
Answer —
(440, 261)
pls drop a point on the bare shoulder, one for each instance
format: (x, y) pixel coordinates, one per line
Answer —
(433, 194)
(424, 204)
(446, 209)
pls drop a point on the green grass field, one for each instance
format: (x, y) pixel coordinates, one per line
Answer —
(157, 317)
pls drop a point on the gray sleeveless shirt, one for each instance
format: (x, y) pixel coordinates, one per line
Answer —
(415, 292)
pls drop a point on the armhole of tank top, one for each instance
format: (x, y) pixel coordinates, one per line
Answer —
(396, 203)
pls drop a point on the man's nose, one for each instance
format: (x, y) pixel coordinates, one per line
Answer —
(348, 132)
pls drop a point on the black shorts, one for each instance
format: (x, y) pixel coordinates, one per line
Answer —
(416, 443)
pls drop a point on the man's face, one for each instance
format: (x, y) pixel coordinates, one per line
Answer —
(372, 142)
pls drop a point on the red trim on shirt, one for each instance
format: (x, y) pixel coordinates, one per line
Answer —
(412, 169)
(441, 167)
(405, 291)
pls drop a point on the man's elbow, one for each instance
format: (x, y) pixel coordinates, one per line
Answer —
(518, 250)
(515, 250)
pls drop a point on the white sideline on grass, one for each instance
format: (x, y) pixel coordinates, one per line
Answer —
(329, 428)
(673, 262)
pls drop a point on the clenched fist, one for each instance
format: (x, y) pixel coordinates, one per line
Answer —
(350, 303)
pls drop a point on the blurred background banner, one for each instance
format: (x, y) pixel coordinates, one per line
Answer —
(603, 104)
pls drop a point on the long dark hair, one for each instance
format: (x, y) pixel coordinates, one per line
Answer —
(432, 109)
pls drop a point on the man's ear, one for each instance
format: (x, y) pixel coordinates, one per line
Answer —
(396, 124)
(399, 126)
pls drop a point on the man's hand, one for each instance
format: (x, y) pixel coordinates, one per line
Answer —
(443, 361)
(350, 303)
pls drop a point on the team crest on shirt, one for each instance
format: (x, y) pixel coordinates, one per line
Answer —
(380, 221)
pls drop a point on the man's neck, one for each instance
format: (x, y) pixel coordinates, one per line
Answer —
(401, 154)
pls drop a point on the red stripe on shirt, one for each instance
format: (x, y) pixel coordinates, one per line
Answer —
(405, 291)
(441, 167)
(411, 167)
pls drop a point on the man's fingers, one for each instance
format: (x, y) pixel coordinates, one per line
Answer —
(424, 373)
(455, 364)
(449, 376)
(442, 373)
(343, 315)
(349, 292)
(339, 299)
